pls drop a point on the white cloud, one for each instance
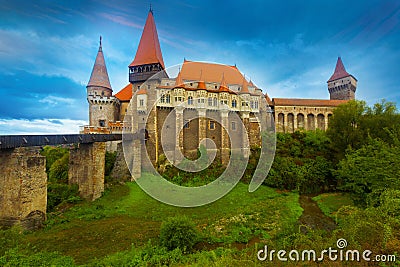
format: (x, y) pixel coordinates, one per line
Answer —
(40, 126)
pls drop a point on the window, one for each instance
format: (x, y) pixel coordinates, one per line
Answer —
(186, 124)
(215, 101)
(256, 105)
(233, 125)
(252, 104)
(101, 107)
(162, 100)
(234, 103)
(141, 102)
(211, 125)
(102, 123)
(102, 93)
(168, 99)
(190, 100)
(148, 86)
(245, 104)
(210, 101)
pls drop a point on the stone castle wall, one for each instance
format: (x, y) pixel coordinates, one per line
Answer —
(23, 187)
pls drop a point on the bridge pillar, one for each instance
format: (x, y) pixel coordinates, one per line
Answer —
(23, 187)
(86, 168)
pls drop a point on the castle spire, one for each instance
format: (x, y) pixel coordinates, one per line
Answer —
(223, 88)
(179, 81)
(149, 51)
(245, 89)
(99, 76)
(340, 71)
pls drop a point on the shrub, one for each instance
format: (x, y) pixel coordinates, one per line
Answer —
(61, 193)
(178, 232)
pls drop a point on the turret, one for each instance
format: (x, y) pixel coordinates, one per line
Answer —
(148, 59)
(103, 107)
(341, 85)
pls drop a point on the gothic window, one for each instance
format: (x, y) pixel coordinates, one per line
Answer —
(190, 100)
(234, 103)
(211, 125)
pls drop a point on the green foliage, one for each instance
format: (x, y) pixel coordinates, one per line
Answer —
(178, 232)
(58, 172)
(61, 193)
(109, 162)
(354, 121)
(52, 154)
(368, 171)
(302, 162)
(15, 257)
(10, 238)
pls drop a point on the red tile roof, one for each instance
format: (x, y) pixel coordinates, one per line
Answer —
(99, 76)
(125, 94)
(223, 88)
(179, 82)
(340, 71)
(149, 50)
(213, 72)
(307, 102)
(245, 89)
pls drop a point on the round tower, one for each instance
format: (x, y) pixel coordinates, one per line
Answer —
(103, 107)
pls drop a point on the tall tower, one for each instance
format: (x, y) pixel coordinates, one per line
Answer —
(102, 105)
(148, 59)
(341, 85)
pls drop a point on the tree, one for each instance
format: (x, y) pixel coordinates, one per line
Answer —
(345, 129)
(368, 171)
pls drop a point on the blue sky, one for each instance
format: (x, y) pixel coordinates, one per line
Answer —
(288, 48)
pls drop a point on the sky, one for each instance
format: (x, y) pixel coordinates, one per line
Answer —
(287, 48)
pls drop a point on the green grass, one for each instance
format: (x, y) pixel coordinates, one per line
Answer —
(126, 215)
(330, 203)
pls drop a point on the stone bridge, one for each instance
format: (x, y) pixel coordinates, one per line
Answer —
(23, 178)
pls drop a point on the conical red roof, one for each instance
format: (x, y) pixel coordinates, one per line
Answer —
(179, 82)
(99, 76)
(223, 88)
(340, 71)
(245, 89)
(149, 50)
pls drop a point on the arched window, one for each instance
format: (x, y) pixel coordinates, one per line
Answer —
(190, 100)
(234, 103)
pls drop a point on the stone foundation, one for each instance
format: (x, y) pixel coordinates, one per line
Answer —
(86, 168)
(23, 188)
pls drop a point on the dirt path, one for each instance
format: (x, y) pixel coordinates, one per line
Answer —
(313, 217)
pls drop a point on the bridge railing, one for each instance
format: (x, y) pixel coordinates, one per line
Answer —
(14, 141)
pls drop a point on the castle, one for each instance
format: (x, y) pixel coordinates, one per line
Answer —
(199, 92)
